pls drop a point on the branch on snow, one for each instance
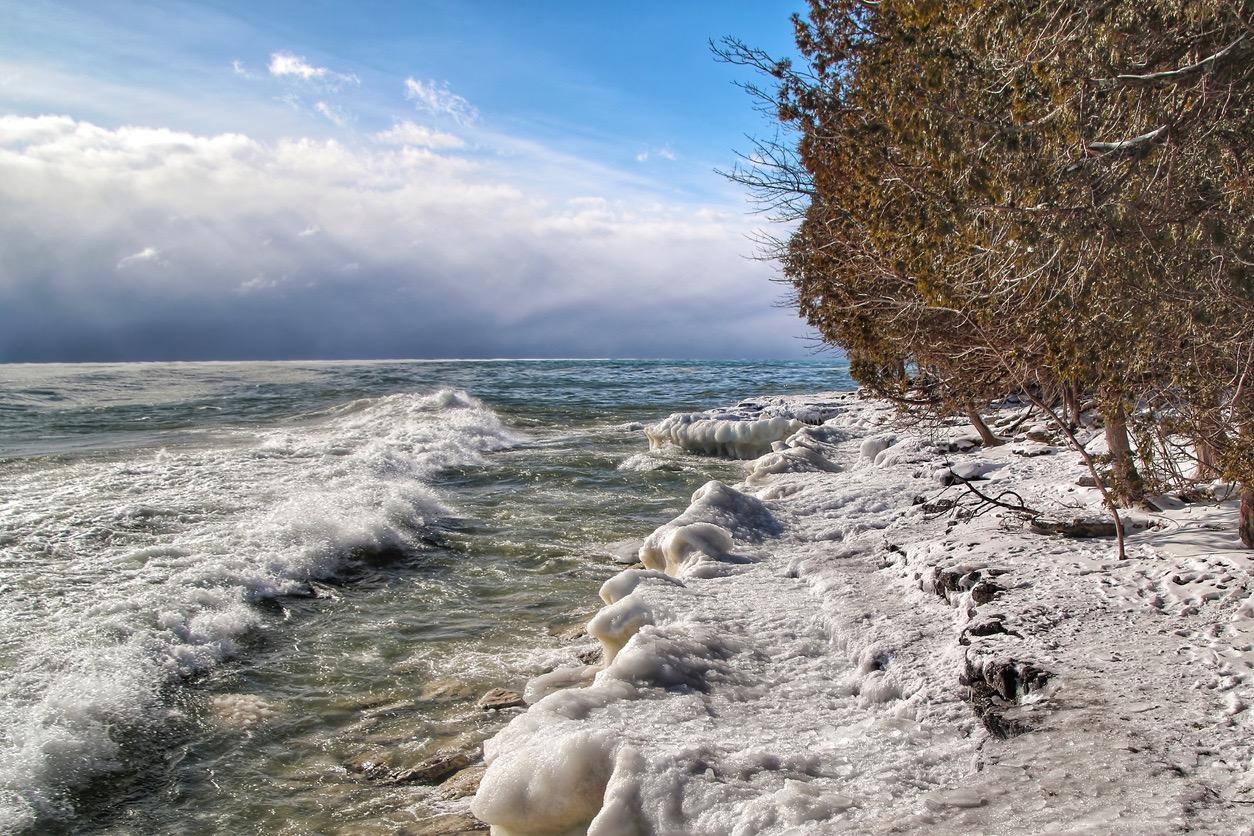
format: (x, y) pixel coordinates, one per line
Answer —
(1173, 76)
(1126, 145)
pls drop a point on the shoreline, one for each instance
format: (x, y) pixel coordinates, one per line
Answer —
(828, 647)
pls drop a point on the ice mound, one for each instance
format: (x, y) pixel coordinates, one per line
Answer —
(727, 437)
(700, 541)
(745, 431)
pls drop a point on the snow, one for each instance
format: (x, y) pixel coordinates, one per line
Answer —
(815, 651)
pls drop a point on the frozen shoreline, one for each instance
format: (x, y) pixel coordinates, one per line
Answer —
(827, 648)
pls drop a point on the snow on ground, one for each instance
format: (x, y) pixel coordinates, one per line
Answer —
(832, 647)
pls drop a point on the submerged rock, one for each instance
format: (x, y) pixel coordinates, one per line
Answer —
(499, 698)
(448, 824)
(440, 766)
(463, 783)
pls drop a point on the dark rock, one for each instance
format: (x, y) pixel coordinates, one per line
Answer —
(993, 624)
(499, 698)
(939, 506)
(960, 579)
(1039, 436)
(464, 783)
(438, 767)
(996, 686)
(590, 655)
(1084, 526)
(1032, 452)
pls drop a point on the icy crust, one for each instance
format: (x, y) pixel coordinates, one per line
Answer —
(831, 648)
(745, 431)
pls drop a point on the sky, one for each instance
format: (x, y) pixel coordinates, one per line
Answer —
(243, 180)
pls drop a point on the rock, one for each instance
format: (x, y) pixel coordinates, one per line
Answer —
(462, 783)
(1038, 435)
(371, 768)
(438, 767)
(571, 633)
(939, 506)
(499, 698)
(446, 690)
(590, 655)
(1032, 452)
(1085, 526)
(992, 624)
(448, 824)
(996, 686)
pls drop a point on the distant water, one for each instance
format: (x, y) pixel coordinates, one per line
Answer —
(227, 589)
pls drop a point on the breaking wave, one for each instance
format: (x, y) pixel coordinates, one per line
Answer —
(129, 574)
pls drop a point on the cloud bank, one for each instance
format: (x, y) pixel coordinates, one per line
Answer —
(147, 243)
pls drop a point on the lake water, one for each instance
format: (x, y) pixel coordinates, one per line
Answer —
(235, 593)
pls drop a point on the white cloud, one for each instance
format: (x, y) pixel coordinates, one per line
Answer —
(287, 65)
(146, 254)
(238, 68)
(410, 133)
(438, 99)
(402, 252)
(663, 153)
(333, 114)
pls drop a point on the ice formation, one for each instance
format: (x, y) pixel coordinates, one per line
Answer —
(745, 431)
(840, 657)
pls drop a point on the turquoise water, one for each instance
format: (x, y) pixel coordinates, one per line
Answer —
(235, 594)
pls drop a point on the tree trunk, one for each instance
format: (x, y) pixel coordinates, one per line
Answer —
(1128, 486)
(1071, 396)
(1207, 460)
(977, 421)
(1246, 526)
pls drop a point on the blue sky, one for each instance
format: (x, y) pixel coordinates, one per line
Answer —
(194, 180)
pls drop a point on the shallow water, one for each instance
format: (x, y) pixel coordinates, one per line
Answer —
(228, 589)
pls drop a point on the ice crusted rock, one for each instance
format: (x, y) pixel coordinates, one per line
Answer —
(788, 460)
(731, 438)
(699, 542)
(551, 787)
(745, 431)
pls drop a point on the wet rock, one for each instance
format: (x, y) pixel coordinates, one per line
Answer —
(939, 506)
(390, 709)
(448, 824)
(437, 768)
(463, 783)
(572, 633)
(952, 581)
(446, 690)
(590, 655)
(499, 698)
(996, 685)
(992, 624)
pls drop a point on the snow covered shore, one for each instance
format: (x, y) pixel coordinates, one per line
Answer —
(838, 645)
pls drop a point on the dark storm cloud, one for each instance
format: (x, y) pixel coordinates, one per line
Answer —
(151, 244)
